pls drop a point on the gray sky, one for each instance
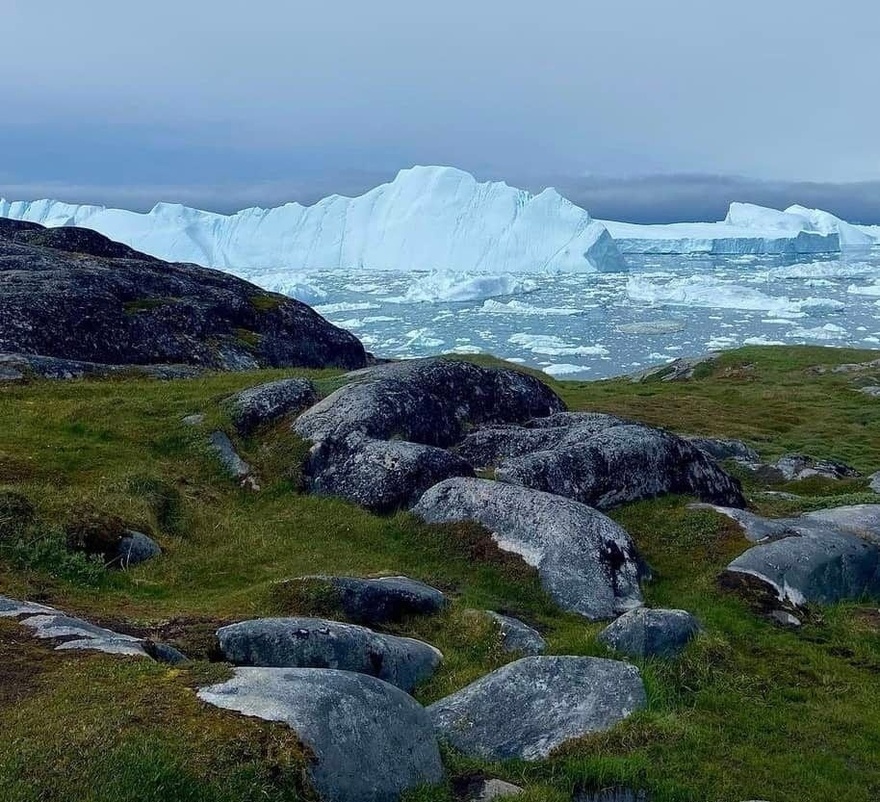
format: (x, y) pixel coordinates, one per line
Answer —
(225, 104)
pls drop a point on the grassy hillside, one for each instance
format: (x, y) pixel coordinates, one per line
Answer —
(750, 710)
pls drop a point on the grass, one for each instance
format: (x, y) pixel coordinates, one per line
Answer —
(750, 710)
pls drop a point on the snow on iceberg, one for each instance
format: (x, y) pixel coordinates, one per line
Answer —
(747, 229)
(427, 218)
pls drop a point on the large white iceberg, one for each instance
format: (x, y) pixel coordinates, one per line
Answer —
(747, 229)
(428, 218)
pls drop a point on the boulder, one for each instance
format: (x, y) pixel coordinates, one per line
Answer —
(370, 742)
(428, 401)
(480, 789)
(528, 708)
(117, 646)
(316, 643)
(650, 632)
(380, 475)
(857, 519)
(267, 403)
(615, 794)
(721, 448)
(134, 549)
(234, 466)
(585, 561)
(370, 601)
(71, 294)
(681, 369)
(874, 482)
(517, 636)
(794, 467)
(621, 464)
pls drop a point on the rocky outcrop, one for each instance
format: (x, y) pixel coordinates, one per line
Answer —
(72, 294)
(428, 401)
(585, 561)
(369, 602)
(316, 643)
(369, 741)
(267, 403)
(795, 467)
(622, 463)
(724, 448)
(528, 708)
(822, 557)
(377, 474)
(650, 632)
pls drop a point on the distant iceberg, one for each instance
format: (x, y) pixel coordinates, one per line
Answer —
(747, 229)
(428, 218)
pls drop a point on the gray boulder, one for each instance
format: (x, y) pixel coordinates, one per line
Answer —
(267, 403)
(57, 626)
(720, 448)
(528, 708)
(874, 482)
(370, 741)
(428, 401)
(135, 548)
(517, 636)
(232, 463)
(372, 601)
(482, 790)
(622, 464)
(381, 476)
(650, 632)
(316, 643)
(857, 519)
(585, 561)
(615, 794)
(794, 467)
(681, 369)
(116, 646)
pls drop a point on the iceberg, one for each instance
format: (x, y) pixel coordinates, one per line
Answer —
(747, 229)
(428, 218)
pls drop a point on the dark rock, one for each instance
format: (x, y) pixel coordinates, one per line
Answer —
(615, 794)
(370, 601)
(316, 643)
(430, 401)
(370, 741)
(72, 294)
(164, 653)
(621, 464)
(681, 369)
(135, 548)
(47, 367)
(650, 632)
(528, 708)
(380, 475)
(517, 636)
(724, 448)
(585, 561)
(232, 463)
(794, 467)
(267, 403)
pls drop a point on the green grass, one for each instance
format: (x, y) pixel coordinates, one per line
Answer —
(749, 711)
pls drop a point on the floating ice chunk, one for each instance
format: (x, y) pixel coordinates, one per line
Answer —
(761, 341)
(653, 327)
(555, 346)
(564, 369)
(829, 331)
(870, 289)
(345, 306)
(519, 308)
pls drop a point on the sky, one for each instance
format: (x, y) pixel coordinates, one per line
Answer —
(643, 109)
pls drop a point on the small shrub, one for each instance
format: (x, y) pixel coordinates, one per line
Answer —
(93, 532)
(16, 514)
(164, 501)
(46, 552)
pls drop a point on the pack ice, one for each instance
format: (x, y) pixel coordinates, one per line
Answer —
(427, 218)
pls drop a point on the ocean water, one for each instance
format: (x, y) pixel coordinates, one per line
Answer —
(593, 325)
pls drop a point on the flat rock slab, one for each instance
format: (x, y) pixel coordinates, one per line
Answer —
(622, 464)
(234, 466)
(370, 740)
(585, 561)
(121, 646)
(651, 632)
(57, 625)
(267, 403)
(381, 476)
(372, 601)
(428, 401)
(517, 636)
(528, 708)
(857, 519)
(11, 608)
(316, 643)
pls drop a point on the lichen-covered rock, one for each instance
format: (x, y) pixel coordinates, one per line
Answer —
(369, 601)
(380, 475)
(428, 401)
(795, 467)
(621, 464)
(72, 294)
(585, 561)
(528, 708)
(316, 643)
(370, 741)
(134, 549)
(722, 448)
(650, 632)
(267, 403)
(517, 636)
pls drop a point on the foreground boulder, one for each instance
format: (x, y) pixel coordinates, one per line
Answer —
(367, 601)
(267, 403)
(822, 557)
(72, 294)
(316, 643)
(620, 464)
(379, 475)
(585, 561)
(528, 708)
(650, 633)
(428, 401)
(369, 741)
